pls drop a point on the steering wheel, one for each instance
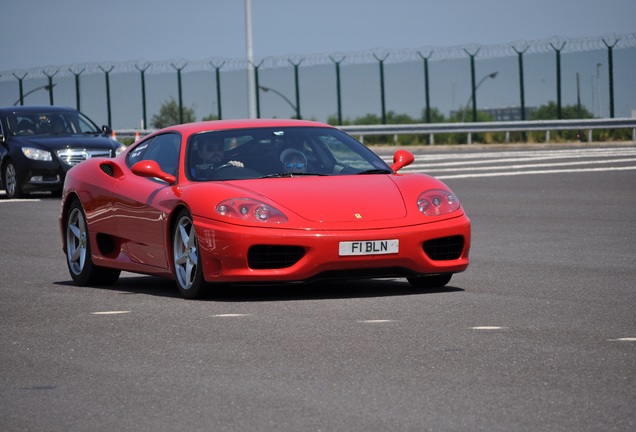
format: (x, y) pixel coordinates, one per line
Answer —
(219, 168)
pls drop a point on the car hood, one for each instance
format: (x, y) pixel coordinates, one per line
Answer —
(332, 199)
(58, 142)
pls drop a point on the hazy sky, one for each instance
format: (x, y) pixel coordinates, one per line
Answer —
(37, 33)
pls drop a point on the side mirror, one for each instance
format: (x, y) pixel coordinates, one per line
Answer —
(402, 158)
(107, 130)
(151, 169)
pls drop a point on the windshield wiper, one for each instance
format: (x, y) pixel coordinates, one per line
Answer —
(281, 175)
(376, 171)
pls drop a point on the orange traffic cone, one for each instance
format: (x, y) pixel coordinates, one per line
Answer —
(114, 136)
(136, 135)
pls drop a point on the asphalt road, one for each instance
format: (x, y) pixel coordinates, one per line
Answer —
(539, 334)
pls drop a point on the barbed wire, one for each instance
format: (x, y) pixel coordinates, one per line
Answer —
(432, 53)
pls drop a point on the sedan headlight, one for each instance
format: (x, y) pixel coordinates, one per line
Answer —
(250, 210)
(437, 202)
(37, 154)
(120, 149)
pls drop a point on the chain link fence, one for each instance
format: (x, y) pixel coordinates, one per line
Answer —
(342, 86)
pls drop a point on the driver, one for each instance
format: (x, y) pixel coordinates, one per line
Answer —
(211, 152)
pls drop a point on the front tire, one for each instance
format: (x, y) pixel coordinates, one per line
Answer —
(11, 182)
(430, 282)
(78, 252)
(187, 257)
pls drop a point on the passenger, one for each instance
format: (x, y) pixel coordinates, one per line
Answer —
(26, 127)
(57, 125)
(294, 161)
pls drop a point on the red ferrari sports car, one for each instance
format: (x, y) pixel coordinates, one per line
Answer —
(251, 201)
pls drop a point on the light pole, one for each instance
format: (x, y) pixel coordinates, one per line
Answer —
(266, 89)
(470, 98)
(47, 87)
(251, 87)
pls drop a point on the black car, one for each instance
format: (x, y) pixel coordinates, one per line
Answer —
(39, 144)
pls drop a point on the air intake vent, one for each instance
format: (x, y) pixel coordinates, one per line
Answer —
(263, 257)
(107, 169)
(444, 249)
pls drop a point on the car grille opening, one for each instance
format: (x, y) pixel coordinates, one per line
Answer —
(261, 257)
(445, 248)
(74, 156)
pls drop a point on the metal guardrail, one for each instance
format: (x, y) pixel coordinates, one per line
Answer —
(506, 127)
(468, 128)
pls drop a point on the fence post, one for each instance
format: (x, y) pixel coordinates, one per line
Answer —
(218, 88)
(142, 71)
(381, 60)
(106, 73)
(180, 90)
(258, 96)
(521, 88)
(558, 77)
(339, 96)
(50, 86)
(427, 92)
(297, 86)
(610, 66)
(473, 84)
(77, 87)
(21, 87)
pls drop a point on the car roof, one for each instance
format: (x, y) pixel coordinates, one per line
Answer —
(29, 109)
(218, 125)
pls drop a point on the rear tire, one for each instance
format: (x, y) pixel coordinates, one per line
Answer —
(186, 257)
(428, 282)
(78, 252)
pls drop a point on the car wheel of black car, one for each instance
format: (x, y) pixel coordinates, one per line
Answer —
(186, 257)
(78, 252)
(11, 182)
(426, 282)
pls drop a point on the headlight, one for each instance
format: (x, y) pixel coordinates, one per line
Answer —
(250, 210)
(37, 154)
(437, 202)
(120, 149)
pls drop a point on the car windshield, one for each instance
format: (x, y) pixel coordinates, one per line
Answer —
(278, 152)
(50, 123)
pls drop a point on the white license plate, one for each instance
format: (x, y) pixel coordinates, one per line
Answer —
(370, 247)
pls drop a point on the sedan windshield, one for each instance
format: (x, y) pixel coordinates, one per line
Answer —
(50, 123)
(278, 152)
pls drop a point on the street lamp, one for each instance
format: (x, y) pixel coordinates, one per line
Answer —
(470, 98)
(266, 89)
(47, 87)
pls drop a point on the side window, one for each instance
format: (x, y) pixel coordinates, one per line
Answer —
(163, 149)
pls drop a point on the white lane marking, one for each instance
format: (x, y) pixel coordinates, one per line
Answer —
(519, 155)
(487, 328)
(110, 312)
(626, 339)
(376, 321)
(517, 173)
(509, 163)
(20, 200)
(230, 315)
(525, 166)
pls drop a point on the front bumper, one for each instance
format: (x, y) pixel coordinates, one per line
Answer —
(41, 176)
(225, 247)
